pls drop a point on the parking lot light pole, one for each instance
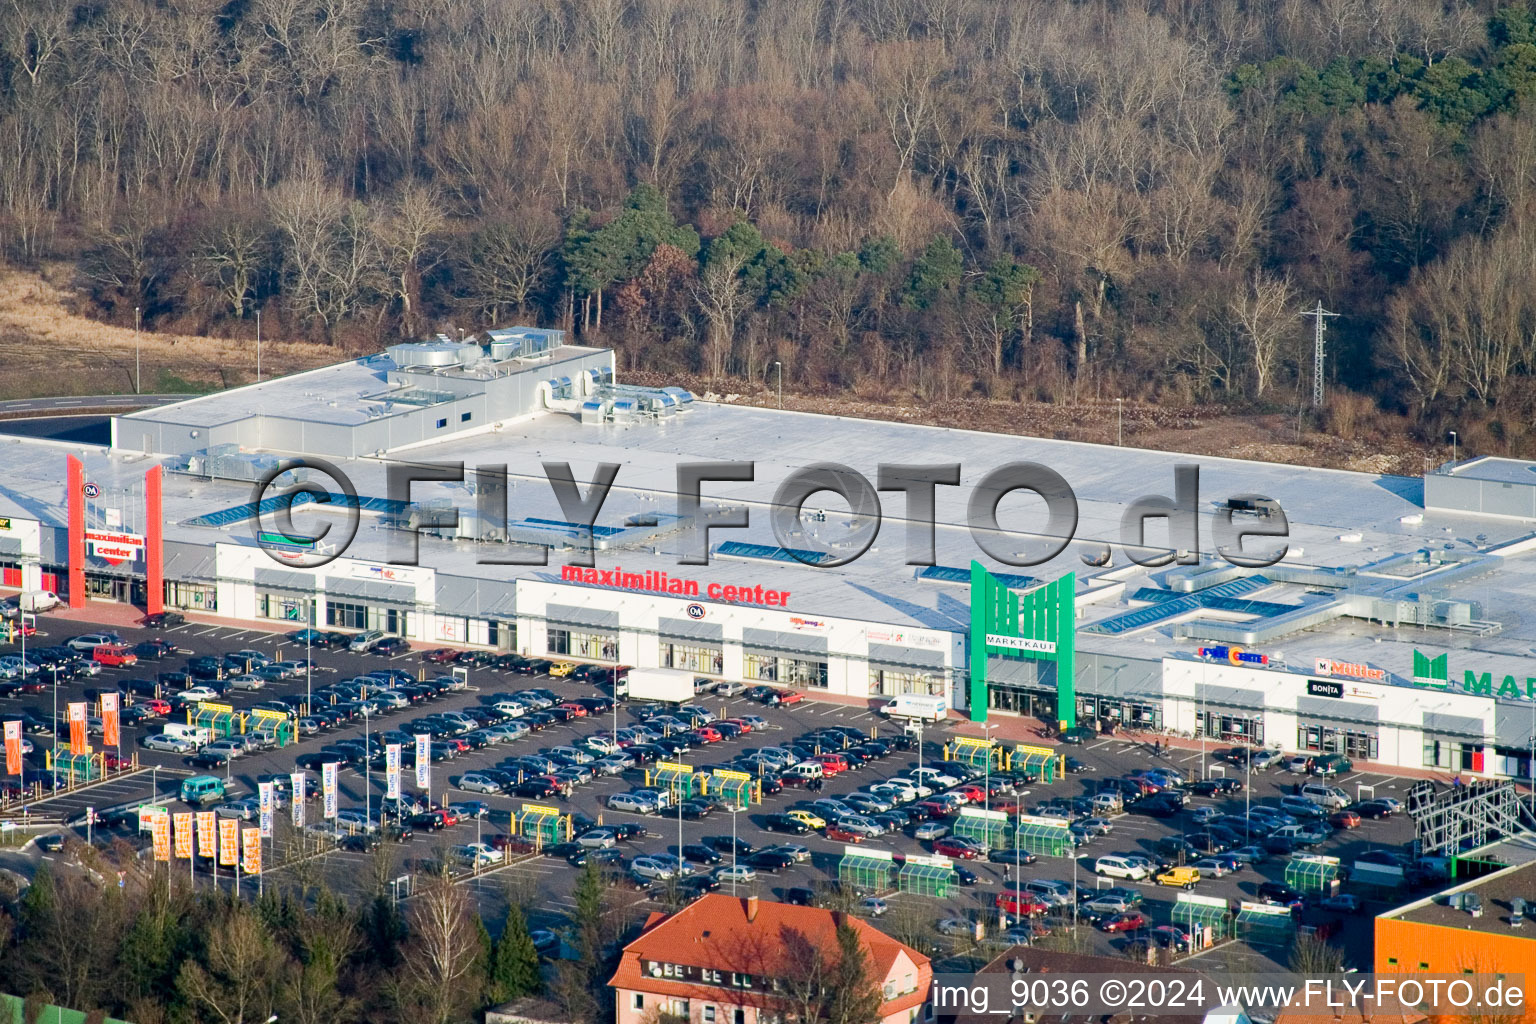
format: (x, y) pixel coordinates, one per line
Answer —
(367, 770)
(734, 810)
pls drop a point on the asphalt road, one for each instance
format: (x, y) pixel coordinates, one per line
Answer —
(553, 879)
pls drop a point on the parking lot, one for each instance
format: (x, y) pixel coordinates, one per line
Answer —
(553, 878)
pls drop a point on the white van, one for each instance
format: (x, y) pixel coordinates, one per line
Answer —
(1324, 795)
(917, 705)
(38, 601)
(200, 735)
(805, 770)
(1119, 867)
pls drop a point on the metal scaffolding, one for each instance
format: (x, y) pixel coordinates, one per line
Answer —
(1461, 818)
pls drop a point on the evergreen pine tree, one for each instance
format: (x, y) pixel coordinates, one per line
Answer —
(514, 969)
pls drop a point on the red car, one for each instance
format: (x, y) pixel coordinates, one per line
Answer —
(972, 794)
(1006, 804)
(936, 808)
(516, 844)
(953, 846)
(1019, 904)
(790, 696)
(440, 656)
(704, 734)
(843, 835)
(831, 764)
(745, 727)
(1344, 819)
(116, 763)
(576, 710)
(157, 706)
(117, 655)
(449, 818)
(1130, 921)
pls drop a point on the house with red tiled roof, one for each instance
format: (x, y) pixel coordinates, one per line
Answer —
(729, 960)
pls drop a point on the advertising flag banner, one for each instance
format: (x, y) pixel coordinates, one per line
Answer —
(184, 825)
(297, 782)
(229, 842)
(328, 787)
(267, 800)
(13, 748)
(77, 741)
(423, 761)
(251, 862)
(160, 832)
(111, 721)
(207, 824)
(392, 767)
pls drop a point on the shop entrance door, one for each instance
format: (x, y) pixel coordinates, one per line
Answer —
(1008, 699)
(102, 587)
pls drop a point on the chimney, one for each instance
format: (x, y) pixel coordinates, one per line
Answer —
(751, 904)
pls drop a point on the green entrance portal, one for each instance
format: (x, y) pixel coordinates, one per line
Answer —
(1040, 624)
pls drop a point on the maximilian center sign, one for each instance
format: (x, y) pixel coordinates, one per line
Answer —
(1435, 672)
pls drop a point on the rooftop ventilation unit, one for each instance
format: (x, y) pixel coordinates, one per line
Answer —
(432, 354)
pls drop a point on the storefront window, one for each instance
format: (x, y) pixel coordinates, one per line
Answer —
(1449, 754)
(190, 595)
(707, 661)
(890, 682)
(771, 668)
(592, 646)
(346, 616)
(287, 607)
(1234, 728)
(1352, 743)
(501, 634)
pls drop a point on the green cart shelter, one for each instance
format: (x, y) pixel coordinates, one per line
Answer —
(978, 754)
(679, 780)
(1043, 837)
(865, 871)
(277, 728)
(1041, 762)
(1306, 873)
(76, 768)
(927, 876)
(221, 719)
(988, 829)
(544, 825)
(1261, 925)
(736, 789)
(1196, 913)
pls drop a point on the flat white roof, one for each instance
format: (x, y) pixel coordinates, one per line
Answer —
(1337, 518)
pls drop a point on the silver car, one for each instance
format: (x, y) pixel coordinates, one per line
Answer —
(650, 869)
(631, 802)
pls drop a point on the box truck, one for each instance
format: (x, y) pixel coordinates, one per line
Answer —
(665, 684)
(917, 705)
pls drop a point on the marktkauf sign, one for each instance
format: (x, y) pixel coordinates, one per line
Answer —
(1436, 673)
(1021, 643)
(115, 547)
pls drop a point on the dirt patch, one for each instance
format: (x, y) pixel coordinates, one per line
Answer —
(47, 349)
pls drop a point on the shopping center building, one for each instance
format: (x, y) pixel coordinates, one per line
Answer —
(1397, 626)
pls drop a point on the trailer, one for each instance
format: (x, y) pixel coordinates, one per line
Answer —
(663, 684)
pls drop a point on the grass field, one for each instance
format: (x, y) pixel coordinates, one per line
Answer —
(46, 350)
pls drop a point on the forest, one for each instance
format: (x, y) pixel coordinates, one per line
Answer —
(156, 950)
(1032, 200)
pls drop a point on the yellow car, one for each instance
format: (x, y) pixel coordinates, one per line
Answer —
(562, 668)
(1183, 877)
(810, 819)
